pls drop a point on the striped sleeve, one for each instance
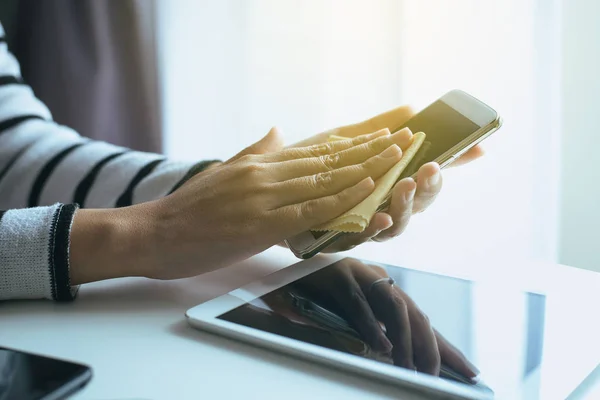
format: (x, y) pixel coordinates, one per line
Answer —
(47, 171)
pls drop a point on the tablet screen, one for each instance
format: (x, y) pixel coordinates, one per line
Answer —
(486, 337)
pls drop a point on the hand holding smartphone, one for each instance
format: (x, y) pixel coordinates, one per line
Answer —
(453, 124)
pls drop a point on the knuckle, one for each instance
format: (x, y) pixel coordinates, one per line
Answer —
(323, 181)
(361, 139)
(319, 149)
(375, 145)
(252, 168)
(399, 302)
(330, 161)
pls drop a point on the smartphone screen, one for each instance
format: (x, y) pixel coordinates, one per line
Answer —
(29, 376)
(444, 128)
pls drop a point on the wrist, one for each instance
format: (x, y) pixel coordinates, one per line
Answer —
(109, 243)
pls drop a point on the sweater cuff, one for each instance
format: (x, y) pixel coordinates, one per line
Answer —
(34, 253)
(60, 242)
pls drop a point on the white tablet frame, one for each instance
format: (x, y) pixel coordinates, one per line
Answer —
(205, 317)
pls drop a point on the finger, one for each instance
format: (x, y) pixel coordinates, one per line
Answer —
(328, 183)
(358, 312)
(391, 309)
(296, 218)
(379, 222)
(425, 349)
(355, 155)
(271, 142)
(326, 148)
(401, 208)
(454, 358)
(471, 155)
(429, 184)
(392, 119)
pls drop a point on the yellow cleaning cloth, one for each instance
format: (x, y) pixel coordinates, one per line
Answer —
(358, 218)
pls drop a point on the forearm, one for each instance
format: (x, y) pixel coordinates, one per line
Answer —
(42, 163)
(47, 171)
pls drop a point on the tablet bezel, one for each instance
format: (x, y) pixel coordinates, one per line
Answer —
(205, 317)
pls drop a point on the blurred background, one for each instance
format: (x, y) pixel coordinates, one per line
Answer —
(221, 73)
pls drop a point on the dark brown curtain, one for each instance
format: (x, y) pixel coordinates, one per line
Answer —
(93, 63)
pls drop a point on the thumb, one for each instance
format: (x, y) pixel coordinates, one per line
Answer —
(270, 143)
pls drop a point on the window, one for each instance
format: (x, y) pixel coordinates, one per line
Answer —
(236, 68)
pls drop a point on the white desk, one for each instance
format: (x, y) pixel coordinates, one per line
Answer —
(134, 335)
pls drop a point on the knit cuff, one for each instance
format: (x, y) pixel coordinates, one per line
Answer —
(34, 253)
(58, 253)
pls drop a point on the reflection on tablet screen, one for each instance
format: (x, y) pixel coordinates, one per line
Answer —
(339, 308)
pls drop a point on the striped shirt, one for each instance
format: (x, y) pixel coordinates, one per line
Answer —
(47, 171)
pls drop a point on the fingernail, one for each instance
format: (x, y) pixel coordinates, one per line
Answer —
(410, 195)
(402, 136)
(391, 151)
(405, 131)
(434, 179)
(473, 368)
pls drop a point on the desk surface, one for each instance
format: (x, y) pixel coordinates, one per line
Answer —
(134, 335)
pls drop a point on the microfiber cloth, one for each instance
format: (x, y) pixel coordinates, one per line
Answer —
(358, 218)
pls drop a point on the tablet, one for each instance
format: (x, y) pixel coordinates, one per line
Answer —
(319, 309)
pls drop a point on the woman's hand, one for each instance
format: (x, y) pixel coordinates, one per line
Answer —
(408, 197)
(346, 288)
(234, 210)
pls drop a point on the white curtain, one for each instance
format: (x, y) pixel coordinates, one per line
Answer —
(234, 68)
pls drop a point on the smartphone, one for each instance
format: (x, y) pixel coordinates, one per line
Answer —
(31, 376)
(453, 124)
